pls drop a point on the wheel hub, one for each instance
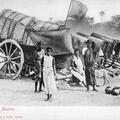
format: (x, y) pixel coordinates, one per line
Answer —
(8, 59)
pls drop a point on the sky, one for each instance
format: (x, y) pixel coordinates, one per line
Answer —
(57, 9)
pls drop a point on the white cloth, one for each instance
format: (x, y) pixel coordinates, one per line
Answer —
(48, 75)
(101, 52)
(79, 66)
(83, 50)
(113, 53)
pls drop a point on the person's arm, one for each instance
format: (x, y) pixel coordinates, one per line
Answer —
(43, 52)
(42, 62)
(82, 67)
(35, 60)
(73, 65)
(54, 67)
(83, 63)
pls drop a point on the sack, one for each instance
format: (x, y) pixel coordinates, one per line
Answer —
(115, 91)
(108, 90)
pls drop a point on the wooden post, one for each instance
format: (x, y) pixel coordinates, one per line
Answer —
(68, 12)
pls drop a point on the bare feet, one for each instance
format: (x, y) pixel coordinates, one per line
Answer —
(35, 91)
(95, 90)
(50, 98)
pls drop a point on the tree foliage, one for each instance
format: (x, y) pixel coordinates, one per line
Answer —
(116, 21)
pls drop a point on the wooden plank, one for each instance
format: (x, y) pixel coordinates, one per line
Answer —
(116, 63)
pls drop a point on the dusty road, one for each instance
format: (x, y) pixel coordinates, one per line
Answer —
(20, 92)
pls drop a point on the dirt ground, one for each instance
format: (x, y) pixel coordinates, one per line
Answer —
(20, 92)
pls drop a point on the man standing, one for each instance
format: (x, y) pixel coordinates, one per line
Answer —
(89, 60)
(39, 53)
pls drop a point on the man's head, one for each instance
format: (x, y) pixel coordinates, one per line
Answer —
(39, 46)
(76, 52)
(48, 51)
(90, 44)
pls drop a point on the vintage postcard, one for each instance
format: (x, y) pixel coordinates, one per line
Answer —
(59, 58)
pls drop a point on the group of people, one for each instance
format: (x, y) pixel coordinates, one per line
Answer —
(46, 71)
(83, 72)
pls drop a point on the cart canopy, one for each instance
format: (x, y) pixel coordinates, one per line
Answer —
(29, 31)
(13, 24)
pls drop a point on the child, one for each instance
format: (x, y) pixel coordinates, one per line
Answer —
(49, 73)
(39, 53)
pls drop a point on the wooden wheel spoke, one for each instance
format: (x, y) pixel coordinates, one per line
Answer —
(14, 69)
(10, 48)
(13, 52)
(15, 63)
(2, 61)
(5, 69)
(26, 69)
(15, 58)
(2, 50)
(3, 65)
(6, 49)
(9, 70)
(2, 56)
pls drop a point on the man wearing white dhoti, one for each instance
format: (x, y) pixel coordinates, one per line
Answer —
(49, 73)
(77, 68)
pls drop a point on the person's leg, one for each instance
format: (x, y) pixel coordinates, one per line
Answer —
(40, 85)
(94, 89)
(73, 79)
(88, 87)
(36, 84)
(87, 76)
(94, 81)
(48, 96)
(76, 80)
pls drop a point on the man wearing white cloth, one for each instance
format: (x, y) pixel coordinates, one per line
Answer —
(49, 73)
(77, 68)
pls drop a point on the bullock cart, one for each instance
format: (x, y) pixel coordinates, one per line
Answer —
(19, 34)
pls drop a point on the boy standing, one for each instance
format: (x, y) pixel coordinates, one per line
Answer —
(49, 74)
(39, 53)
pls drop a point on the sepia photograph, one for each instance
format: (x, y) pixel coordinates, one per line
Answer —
(59, 53)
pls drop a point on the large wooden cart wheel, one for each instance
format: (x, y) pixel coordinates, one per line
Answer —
(11, 59)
